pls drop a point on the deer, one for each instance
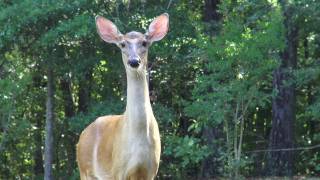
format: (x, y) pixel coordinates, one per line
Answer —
(127, 146)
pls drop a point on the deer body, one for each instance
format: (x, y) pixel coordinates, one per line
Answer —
(125, 147)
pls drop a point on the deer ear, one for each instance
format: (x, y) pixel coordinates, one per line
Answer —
(158, 28)
(107, 30)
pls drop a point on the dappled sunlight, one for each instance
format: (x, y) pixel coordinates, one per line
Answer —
(234, 86)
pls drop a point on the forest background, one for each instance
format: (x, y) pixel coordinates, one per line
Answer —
(234, 85)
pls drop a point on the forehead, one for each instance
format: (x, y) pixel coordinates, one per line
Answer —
(134, 36)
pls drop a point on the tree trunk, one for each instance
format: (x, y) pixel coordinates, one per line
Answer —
(38, 161)
(211, 16)
(209, 164)
(310, 96)
(84, 91)
(38, 114)
(69, 111)
(210, 11)
(209, 134)
(280, 163)
(48, 155)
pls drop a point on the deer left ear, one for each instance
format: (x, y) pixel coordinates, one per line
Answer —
(158, 28)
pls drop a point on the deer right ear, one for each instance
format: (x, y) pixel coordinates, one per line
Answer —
(107, 30)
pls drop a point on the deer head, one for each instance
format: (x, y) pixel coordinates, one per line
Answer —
(134, 45)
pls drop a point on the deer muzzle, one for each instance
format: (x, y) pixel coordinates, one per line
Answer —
(134, 62)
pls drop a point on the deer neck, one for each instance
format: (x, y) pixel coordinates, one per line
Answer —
(138, 110)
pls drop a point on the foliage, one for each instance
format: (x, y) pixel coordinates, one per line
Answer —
(212, 91)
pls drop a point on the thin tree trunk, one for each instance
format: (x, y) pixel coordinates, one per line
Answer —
(69, 111)
(48, 155)
(38, 161)
(69, 108)
(280, 163)
(38, 154)
(310, 96)
(85, 91)
(235, 141)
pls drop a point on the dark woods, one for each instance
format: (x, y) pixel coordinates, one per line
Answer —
(235, 85)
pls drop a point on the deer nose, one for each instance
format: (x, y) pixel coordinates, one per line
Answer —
(134, 62)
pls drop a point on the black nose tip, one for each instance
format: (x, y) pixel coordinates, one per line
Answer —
(134, 63)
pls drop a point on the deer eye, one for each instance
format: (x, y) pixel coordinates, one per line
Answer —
(123, 44)
(144, 43)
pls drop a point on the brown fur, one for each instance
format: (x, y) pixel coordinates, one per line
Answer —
(108, 153)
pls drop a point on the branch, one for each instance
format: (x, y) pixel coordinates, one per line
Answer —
(285, 149)
(169, 4)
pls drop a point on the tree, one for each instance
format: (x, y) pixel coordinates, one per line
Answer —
(210, 134)
(211, 81)
(235, 81)
(280, 163)
(48, 155)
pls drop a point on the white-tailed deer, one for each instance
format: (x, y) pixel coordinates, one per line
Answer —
(125, 147)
